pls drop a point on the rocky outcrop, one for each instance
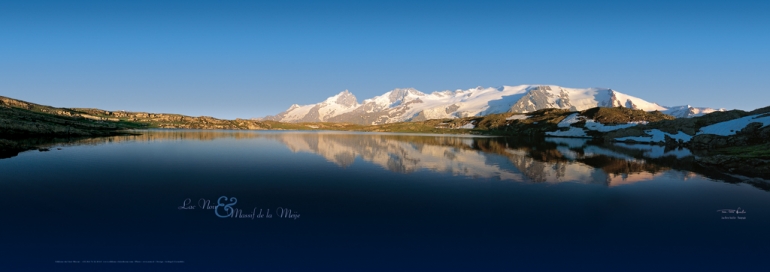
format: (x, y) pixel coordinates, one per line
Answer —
(752, 134)
(745, 153)
(670, 142)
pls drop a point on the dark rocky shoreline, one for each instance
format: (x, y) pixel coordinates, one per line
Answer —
(753, 167)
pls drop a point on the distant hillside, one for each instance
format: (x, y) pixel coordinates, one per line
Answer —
(24, 125)
(120, 119)
(166, 120)
(23, 119)
(21, 123)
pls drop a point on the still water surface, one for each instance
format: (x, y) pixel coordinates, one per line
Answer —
(373, 202)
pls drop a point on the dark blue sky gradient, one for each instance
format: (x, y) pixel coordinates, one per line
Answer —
(250, 59)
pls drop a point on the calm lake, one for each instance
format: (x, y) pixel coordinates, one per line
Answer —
(310, 201)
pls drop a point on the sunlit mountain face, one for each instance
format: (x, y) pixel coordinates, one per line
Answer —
(409, 104)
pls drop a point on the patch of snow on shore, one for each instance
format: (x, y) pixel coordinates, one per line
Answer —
(731, 127)
(593, 125)
(467, 126)
(572, 132)
(517, 117)
(655, 136)
(571, 119)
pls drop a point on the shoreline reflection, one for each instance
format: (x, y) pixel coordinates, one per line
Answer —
(552, 160)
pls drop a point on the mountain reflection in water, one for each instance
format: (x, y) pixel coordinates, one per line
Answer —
(552, 160)
(373, 200)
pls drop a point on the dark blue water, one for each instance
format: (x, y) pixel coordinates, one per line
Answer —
(373, 202)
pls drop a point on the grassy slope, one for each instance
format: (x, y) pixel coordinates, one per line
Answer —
(759, 151)
(16, 122)
(620, 115)
(22, 129)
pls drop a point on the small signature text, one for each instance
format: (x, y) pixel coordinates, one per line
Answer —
(733, 214)
(223, 207)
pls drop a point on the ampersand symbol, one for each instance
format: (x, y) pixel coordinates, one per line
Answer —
(227, 207)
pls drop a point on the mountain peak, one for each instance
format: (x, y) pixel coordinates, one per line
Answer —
(409, 104)
(400, 94)
(344, 98)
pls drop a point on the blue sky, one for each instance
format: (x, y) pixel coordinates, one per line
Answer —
(246, 59)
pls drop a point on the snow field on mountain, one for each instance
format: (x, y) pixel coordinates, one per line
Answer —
(401, 105)
(331, 108)
(641, 104)
(298, 112)
(689, 111)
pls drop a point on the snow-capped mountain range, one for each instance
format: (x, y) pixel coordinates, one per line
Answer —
(409, 104)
